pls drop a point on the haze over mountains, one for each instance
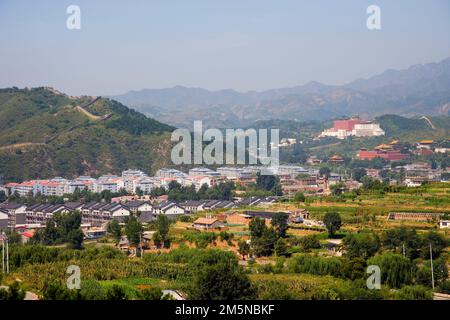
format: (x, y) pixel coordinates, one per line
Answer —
(418, 90)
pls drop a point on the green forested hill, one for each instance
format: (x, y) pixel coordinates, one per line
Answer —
(44, 133)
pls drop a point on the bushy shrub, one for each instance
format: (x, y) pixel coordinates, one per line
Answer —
(416, 292)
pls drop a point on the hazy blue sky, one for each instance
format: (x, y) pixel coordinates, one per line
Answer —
(214, 44)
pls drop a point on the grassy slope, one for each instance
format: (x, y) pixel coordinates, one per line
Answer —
(61, 140)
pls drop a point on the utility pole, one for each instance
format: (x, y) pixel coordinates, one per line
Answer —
(5, 254)
(140, 243)
(432, 271)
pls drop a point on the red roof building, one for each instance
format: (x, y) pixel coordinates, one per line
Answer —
(347, 125)
(390, 155)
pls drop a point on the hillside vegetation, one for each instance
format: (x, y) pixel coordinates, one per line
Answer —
(44, 133)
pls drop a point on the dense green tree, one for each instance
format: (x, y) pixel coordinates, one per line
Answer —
(116, 293)
(75, 238)
(266, 182)
(363, 245)
(402, 239)
(309, 242)
(114, 230)
(281, 248)
(226, 236)
(13, 236)
(332, 221)
(440, 272)
(337, 189)
(299, 197)
(358, 173)
(92, 290)
(280, 223)
(257, 227)
(56, 291)
(265, 244)
(152, 293)
(13, 292)
(221, 281)
(244, 248)
(354, 268)
(133, 230)
(325, 172)
(62, 228)
(437, 242)
(396, 270)
(162, 226)
(416, 292)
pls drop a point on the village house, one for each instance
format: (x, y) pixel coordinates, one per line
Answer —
(136, 206)
(444, 224)
(193, 206)
(207, 224)
(16, 213)
(336, 159)
(298, 216)
(313, 160)
(425, 144)
(169, 208)
(245, 217)
(218, 204)
(41, 213)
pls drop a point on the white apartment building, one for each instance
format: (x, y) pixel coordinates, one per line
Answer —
(146, 184)
(132, 173)
(170, 173)
(198, 181)
(289, 170)
(203, 172)
(234, 173)
(369, 129)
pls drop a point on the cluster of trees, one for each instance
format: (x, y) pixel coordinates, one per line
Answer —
(214, 274)
(333, 223)
(162, 227)
(179, 193)
(13, 292)
(92, 290)
(264, 186)
(62, 228)
(218, 276)
(132, 121)
(76, 196)
(133, 230)
(269, 183)
(405, 259)
(267, 240)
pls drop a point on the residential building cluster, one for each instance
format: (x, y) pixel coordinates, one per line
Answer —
(99, 213)
(135, 180)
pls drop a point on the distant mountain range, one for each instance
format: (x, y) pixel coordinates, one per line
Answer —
(418, 90)
(45, 133)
